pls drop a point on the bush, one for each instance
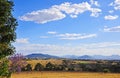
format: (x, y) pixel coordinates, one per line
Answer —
(106, 70)
(38, 67)
(17, 63)
(4, 69)
(28, 67)
(50, 66)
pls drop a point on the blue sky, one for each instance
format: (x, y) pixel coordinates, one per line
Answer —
(68, 27)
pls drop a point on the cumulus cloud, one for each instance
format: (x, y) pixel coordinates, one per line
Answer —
(57, 12)
(52, 32)
(116, 4)
(74, 36)
(43, 16)
(93, 2)
(95, 12)
(111, 11)
(107, 48)
(112, 29)
(110, 17)
(68, 36)
(22, 41)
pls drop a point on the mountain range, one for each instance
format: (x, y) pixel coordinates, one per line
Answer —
(85, 57)
(40, 56)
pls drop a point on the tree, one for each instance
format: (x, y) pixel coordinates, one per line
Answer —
(28, 67)
(49, 66)
(38, 67)
(7, 28)
(17, 62)
(4, 69)
(106, 70)
(7, 31)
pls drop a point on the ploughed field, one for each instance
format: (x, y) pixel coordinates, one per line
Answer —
(57, 74)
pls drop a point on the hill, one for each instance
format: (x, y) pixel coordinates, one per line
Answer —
(85, 57)
(40, 56)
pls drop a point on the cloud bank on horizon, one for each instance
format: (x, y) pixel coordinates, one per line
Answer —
(103, 48)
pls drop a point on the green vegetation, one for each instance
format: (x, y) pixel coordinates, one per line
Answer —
(38, 67)
(7, 35)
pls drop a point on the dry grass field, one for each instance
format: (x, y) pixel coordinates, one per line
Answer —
(64, 75)
(44, 62)
(54, 61)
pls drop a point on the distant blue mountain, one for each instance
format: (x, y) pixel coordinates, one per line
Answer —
(40, 56)
(95, 57)
(85, 57)
(70, 56)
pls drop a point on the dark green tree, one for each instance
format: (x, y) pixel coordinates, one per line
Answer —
(50, 66)
(7, 28)
(28, 67)
(38, 67)
(7, 32)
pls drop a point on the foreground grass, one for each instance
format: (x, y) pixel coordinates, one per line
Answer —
(64, 75)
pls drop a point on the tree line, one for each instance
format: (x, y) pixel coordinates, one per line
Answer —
(66, 65)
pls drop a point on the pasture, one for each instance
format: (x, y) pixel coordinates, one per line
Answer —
(53, 74)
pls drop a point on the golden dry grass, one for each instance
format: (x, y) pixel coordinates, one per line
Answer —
(64, 75)
(80, 61)
(44, 62)
(54, 61)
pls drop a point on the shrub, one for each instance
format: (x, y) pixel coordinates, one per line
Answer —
(38, 67)
(106, 70)
(4, 68)
(28, 67)
(49, 66)
(17, 62)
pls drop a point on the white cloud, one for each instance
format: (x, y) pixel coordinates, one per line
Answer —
(110, 17)
(74, 9)
(22, 41)
(93, 2)
(111, 11)
(116, 4)
(102, 45)
(69, 36)
(43, 16)
(58, 12)
(104, 48)
(73, 16)
(44, 37)
(74, 36)
(112, 29)
(95, 12)
(52, 32)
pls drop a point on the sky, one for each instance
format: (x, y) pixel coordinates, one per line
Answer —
(68, 27)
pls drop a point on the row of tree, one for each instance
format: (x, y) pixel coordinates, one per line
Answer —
(95, 67)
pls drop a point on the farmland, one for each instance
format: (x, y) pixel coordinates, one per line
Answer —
(33, 62)
(44, 62)
(73, 65)
(46, 74)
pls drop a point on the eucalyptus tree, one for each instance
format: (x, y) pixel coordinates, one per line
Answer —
(7, 33)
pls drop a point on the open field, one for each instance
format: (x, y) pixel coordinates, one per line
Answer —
(64, 75)
(55, 61)
(44, 62)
